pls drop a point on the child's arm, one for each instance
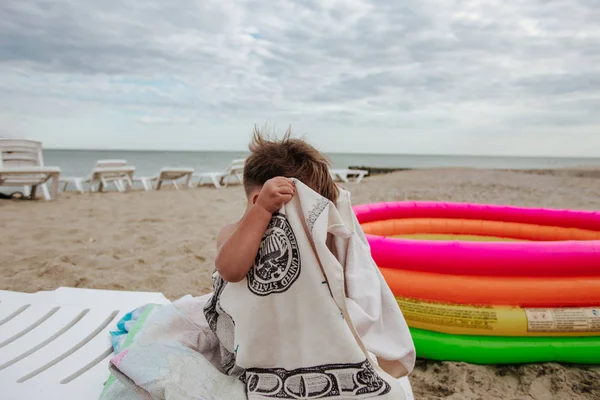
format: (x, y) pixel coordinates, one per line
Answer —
(238, 245)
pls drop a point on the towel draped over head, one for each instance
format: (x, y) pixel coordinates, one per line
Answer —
(314, 317)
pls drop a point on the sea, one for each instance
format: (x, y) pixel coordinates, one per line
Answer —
(77, 163)
(148, 163)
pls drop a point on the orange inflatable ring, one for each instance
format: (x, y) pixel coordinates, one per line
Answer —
(494, 290)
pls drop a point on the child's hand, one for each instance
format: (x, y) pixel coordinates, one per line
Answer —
(275, 193)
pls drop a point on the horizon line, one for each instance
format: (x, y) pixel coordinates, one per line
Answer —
(332, 152)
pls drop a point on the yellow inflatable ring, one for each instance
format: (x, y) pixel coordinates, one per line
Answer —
(492, 320)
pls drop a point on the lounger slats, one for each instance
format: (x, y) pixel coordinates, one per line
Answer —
(56, 344)
(47, 331)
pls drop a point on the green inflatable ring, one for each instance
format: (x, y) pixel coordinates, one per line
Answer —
(504, 349)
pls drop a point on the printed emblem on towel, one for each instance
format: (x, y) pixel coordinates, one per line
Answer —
(277, 264)
(325, 381)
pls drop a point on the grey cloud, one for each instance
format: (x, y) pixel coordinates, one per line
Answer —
(412, 63)
(374, 84)
(562, 84)
(109, 37)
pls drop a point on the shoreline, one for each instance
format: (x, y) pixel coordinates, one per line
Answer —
(581, 171)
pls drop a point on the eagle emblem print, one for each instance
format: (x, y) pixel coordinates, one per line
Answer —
(277, 264)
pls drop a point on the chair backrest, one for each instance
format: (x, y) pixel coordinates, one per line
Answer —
(111, 176)
(21, 153)
(236, 166)
(110, 163)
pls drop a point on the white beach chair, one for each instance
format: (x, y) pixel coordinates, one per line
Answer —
(344, 174)
(116, 172)
(56, 344)
(235, 172)
(22, 164)
(166, 174)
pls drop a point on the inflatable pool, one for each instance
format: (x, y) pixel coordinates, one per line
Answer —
(491, 284)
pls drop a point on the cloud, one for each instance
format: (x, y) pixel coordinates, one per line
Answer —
(428, 77)
(152, 120)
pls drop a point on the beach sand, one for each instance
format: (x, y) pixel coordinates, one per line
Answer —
(165, 241)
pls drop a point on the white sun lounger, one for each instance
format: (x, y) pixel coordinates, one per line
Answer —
(234, 171)
(22, 164)
(116, 172)
(166, 174)
(344, 174)
(56, 345)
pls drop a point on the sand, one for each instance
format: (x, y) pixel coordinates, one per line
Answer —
(165, 241)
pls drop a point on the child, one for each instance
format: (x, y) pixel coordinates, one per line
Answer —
(265, 237)
(268, 187)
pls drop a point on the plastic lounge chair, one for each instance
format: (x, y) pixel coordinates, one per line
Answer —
(116, 172)
(22, 164)
(166, 175)
(234, 171)
(56, 344)
(344, 174)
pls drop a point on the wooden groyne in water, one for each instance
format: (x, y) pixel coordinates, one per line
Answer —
(379, 170)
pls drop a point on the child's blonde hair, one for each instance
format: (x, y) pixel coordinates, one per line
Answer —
(288, 157)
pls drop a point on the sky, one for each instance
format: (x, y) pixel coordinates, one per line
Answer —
(503, 77)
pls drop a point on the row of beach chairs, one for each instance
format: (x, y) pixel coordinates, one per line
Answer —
(22, 164)
(121, 175)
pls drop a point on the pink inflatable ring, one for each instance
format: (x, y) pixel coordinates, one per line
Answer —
(482, 240)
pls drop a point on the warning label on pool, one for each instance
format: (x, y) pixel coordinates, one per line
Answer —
(444, 315)
(563, 319)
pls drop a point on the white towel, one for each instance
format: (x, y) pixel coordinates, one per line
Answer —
(290, 330)
(371, 304)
